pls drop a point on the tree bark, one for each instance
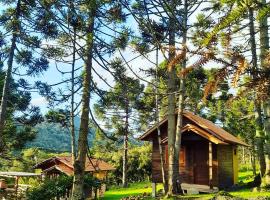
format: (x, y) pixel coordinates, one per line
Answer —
(125, 152)
(266, 179)
(72, 126)
(258, 116)
(171, 107)
(164, 181)
(260, 141)
(8, 77)
(79, 164)
(181, 99)
(253, 161)
(264, 48)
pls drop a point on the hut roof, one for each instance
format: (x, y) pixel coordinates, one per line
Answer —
(201, 127)
(66, 166)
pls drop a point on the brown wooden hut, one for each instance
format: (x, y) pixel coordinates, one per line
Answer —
(63, 165)
(208, 157)
(55, 166)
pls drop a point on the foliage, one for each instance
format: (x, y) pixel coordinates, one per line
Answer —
(195, 82)
(51, 188)
(91, 181)
(54, 137)
(20, 119)
(20, 36)
(120, 102)
(25, 159)
(139, 160)
(58, 187)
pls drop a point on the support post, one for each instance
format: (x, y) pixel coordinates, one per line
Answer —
(16, 186)
(210, 165)
(154, 189)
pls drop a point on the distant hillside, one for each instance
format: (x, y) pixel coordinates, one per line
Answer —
(53, 137)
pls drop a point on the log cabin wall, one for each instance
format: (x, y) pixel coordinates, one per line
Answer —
(224, 170)
(156, 163)
(225, 167)
(215, 166)
(194, 164)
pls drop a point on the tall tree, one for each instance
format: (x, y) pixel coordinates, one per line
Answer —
(79, 163)
(117, 108)
(3, 106)
(258, 105)
(236, 13)
(171, 102)
(21, 117)
(91, 17)
(264, 48)
(172, 15)
(181, 98)
(22, 19)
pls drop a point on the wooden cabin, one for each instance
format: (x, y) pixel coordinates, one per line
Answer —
(57, 165)
(208, 157)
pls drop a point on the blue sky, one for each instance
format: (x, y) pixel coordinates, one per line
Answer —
(52, 76)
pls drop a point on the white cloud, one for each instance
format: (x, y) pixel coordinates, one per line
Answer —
(39, 101)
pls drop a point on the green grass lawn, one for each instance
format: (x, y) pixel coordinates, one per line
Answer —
(135, 189)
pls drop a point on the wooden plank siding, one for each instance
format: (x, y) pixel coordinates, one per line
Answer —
(194, 165)
(194, 156)
(156, 163)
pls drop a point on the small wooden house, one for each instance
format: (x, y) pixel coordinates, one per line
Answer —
(208, 156)
(55, 166)
(63, 165)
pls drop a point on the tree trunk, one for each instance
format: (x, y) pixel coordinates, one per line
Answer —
(79, 164)
(260, 137)
(164, 181)
(264, 48)
(253, 161)
(266, 179)
(8, 77)
(258, 116)
(125, 152)
(171, 107)
(181, 99)
(72, 126)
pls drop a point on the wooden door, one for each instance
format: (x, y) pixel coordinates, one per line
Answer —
(200, 162)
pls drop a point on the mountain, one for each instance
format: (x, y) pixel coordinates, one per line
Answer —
(53, 137)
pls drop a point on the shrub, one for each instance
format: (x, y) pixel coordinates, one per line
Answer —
(50, 188)
(90, 181)
(58, 187)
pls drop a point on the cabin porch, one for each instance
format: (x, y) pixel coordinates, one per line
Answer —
(188, 188)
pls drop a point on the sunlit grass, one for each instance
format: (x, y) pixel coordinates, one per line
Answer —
(135, 189)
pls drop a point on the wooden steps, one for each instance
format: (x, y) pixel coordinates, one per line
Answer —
(196, 189)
